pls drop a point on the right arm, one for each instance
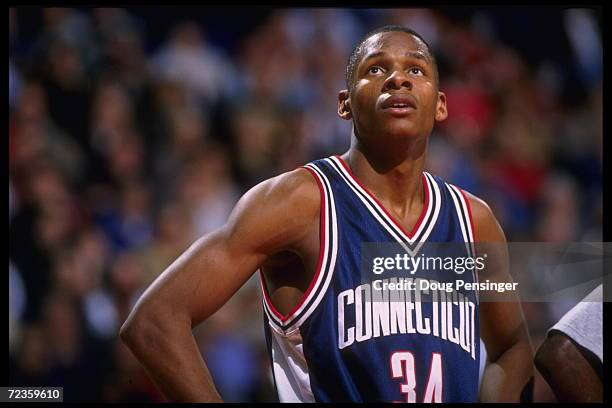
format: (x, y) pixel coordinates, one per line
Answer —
(271, 217)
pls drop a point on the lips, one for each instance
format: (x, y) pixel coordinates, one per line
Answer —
(399, 102)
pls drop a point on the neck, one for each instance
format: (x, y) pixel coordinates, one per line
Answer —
(394, 176)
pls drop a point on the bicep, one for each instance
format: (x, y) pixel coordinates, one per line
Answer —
(266, 219)
(204, 277)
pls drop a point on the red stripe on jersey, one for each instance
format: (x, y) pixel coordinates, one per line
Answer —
(319, 266)
(469, 207)
(393, 220)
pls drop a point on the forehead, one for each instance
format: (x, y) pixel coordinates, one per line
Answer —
(393, 42)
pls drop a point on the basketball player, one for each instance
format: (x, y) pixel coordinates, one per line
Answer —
(303, 230)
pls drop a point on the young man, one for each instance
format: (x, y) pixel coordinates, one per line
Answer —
(304, 230)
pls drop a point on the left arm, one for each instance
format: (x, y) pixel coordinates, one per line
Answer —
(502, 324)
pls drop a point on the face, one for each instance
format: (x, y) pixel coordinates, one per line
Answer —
(395, 95)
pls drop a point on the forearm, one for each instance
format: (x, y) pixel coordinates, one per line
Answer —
(504, 379)
(169, 353)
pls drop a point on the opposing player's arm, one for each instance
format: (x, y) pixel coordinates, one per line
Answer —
(269, 218)
(572, 371)
(502, 324)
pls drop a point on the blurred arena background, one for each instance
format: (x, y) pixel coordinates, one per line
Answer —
(134, 131)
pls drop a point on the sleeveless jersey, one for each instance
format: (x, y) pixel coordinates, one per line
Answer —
(349, 341)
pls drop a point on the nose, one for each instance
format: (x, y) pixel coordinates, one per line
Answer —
(397, 80)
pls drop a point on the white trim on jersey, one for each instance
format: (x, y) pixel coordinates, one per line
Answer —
(465, 222)
(438, 195)
(466, 207)
(355, 187)
(286, 325)
(411, 245)
(333, 236)
(462, 216)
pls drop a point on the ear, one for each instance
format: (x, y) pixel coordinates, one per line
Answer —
(344, 105)
(441, 111)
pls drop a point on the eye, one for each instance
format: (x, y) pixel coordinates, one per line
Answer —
(416, 71)
(375, 70)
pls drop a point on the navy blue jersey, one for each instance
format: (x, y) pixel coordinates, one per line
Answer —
(347, 340)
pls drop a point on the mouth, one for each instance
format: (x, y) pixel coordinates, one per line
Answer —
(399, 105)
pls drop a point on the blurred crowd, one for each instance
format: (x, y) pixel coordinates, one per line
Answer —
(122, 153)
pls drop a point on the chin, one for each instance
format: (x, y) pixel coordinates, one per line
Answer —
(400, 132)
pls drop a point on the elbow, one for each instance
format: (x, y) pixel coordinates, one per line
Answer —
(550, 353)
(541, 358)
(148, 323)
(138, 326)
(131, 328)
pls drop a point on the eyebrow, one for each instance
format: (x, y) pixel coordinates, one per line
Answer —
(414, 54)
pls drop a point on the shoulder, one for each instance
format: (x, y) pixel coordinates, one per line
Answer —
(296, 188)
(480, 213)
(277, 210)
(486, 226)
